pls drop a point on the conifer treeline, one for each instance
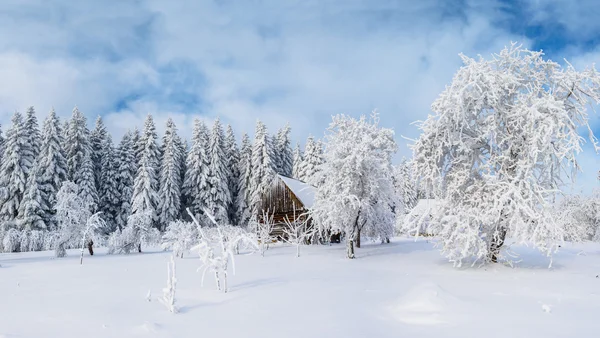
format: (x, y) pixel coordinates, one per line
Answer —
(141, 173)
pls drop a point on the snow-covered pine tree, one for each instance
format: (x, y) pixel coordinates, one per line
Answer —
(232, 156)
(183, 153)
(138, 147)
(311, 164)
(77, 143)
(357, 192)
(32, 132)
(63, 131)
(244, 192)
(298, 159)
(195, 185)
(496, 147)
(144, 201)
(31, 211)
(110, 195)
(405, 187)
(17, 159)
(52, 167)
(148, 145)
(98, 142)
(283, 151)
(126, 173)
(219, 196)
(263, 168)
(169, 195)
(84, 178)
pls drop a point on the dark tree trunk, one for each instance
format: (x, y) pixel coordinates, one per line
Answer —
(140, 247)
(358, 238)
(496, 245)
(90, 246)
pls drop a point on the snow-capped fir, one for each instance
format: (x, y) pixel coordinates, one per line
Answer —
(97, 141)
(169, 193)
(138, 147)
(283, 152)
(219, 196)
(84, 178)
(195, 185)
(244, 193)
(17, 159)
(125, 176)
(183, 153)
(148, 146)
(52, 167)
(31, 211)
(312, 161)
(357, 193)
(263, 168)
(71, 216)
(110, 194)
(232, 157)
(404, 185)
(32, 131)
(144, 201)
(496, 147)
(297, 162)
(77, 144)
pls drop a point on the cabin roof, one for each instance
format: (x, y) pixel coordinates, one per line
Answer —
(303, 191)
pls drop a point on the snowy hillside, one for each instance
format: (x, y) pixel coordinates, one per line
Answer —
(402, 289)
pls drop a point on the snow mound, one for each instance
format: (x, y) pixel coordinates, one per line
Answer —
(147, 328)
(426, 304)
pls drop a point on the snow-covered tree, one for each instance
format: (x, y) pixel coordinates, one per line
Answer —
(125, 175)
(404, 184)
(145, 188)
(244, 183)
(1, 144)
(219, 196)
(357, 192)
(297, 160)
(195, 186)
(77, 143)
(84, 178)
(32, 132)
(170, 177)
(138, 147)
(98, 140)
(110, 194)
(17, 159)
(168, 298)
(232, 157)
(312, 161)
(71, 215)
(496, 148)
(283, 152)
(52, 168)
(32, 210)
(263, 168)
(180, 237)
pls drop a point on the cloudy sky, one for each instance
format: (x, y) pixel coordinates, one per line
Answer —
(277, 60)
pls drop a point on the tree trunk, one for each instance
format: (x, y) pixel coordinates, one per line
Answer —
(140, 247)
(496, 245)
(358, 238)
(350, 247)
(90, 246)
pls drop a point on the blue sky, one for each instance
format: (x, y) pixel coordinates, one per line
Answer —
(278, 60)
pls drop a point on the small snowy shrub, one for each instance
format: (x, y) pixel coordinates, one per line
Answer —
(180, 237)
(36, 240)
(12, 240)
(24, 244)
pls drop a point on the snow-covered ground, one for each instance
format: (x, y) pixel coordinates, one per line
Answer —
(402, 289)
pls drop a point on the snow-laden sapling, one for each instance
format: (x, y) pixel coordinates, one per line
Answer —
(264, 230)
(92, 225)
(71, 215)
(168, 297)
(496, 150)
(180, 237)
(297, 231)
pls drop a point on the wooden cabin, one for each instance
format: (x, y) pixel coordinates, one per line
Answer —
(287, 198)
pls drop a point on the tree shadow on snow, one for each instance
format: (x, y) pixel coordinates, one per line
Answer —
(394, 248)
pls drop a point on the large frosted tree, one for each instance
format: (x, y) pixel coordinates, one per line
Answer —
(52, 168)
(109, 193)
(126, 172)
(80, 165)
(16, 162)
(501, 140)
(218, 195)
(32, 132)
(312, 161)
(32, 210)
(98, 138)
(263, 168)
(169, 194)
(195, 185)
(297, 162)
(145, 187)
(405, 187)
(232, 157)
(357, 193)
(283, 152)
(244, 192)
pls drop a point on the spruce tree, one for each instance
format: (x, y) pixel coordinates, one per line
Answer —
(183, 152)
(109, 191)
(311, 164)
(84, 178)
(195, 185)
(145, 188)
(232, 156)
(52, 167)
(219, 196)
(170, 177)
(77, 143)
(126, 171)
(1, 144)
(31, 211)
(32, 132)
(283, 152)
(17, 159)
(263, 168)
(148, 145)
(97, 141)
(244, 192)
(138, 147)
(298, 158)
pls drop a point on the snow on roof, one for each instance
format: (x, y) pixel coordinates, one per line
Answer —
(425, 206)
(303, 191)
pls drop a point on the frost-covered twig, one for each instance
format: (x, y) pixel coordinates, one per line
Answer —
(168, 298)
